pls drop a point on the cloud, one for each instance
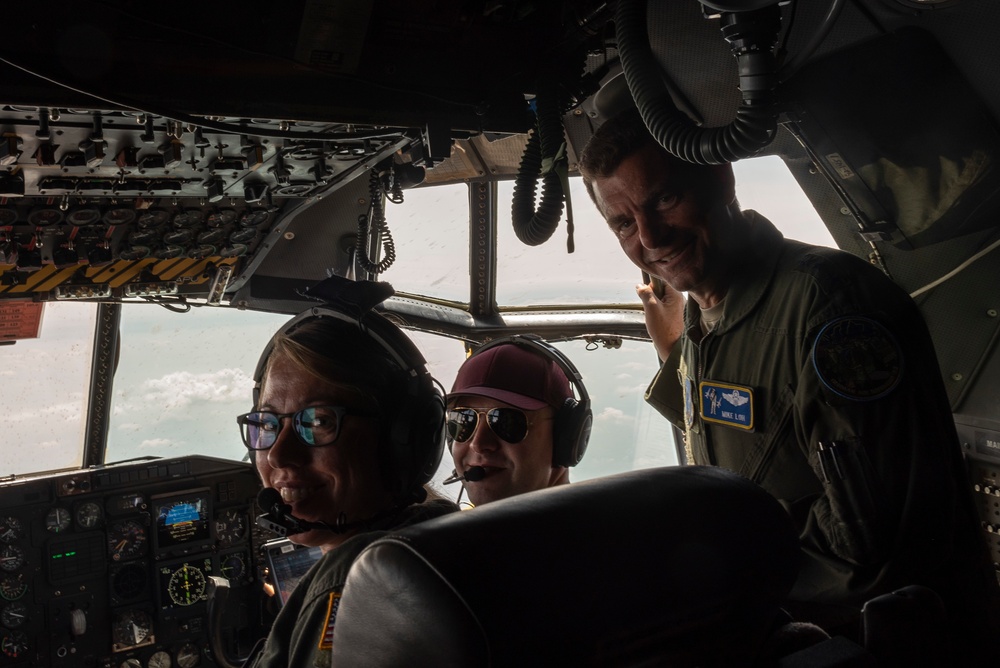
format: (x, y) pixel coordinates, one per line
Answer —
(48, 415)
(632, 390)
(613, 416)
(47, 454)
(175, 392)
(158, 444)
(645, 367)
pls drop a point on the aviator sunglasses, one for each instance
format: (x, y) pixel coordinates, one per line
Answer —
(509, 424)
(314, 426)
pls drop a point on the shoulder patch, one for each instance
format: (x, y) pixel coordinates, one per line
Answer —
(326, 640)
(857, 358)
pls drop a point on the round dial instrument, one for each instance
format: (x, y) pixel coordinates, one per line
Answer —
(188, 656)
(230, 526)
(187, 585)
(14, 643)
(88, 515)
(129, 581)
(11, 529)
(131, 627)
(12, 587)
(234, 568)
(159, 660)
(126, 540)
(13, 614)
(11, 558)
(58, 520)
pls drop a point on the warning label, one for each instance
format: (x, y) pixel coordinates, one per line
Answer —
(20, 320)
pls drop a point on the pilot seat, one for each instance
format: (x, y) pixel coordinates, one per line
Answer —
(678, 566)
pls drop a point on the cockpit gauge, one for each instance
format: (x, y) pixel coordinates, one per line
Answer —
(14, 643)
(12, 587)
(129, 581)
(58, 520)
(11, 529)
(234, 568)
(13, 614)
(187, 585)
(88, 515)
(132, 628)
(11, 558)
(230, 527)
(130, 663)
(126, 539)
(188, 656)
(159, 660)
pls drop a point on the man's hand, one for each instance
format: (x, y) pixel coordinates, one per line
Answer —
(664, 315)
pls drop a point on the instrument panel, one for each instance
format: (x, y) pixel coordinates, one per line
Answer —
(110, 566)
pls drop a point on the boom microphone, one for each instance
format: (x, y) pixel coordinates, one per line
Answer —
(472, 474)
(278, 517)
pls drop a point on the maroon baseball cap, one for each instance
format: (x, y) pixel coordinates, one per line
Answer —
(515, 375)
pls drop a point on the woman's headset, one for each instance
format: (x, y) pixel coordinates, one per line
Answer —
(416, 432)
(574, 419)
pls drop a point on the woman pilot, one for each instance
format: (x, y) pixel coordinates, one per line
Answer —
(347, 428)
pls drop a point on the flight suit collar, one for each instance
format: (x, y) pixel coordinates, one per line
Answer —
(748, 288)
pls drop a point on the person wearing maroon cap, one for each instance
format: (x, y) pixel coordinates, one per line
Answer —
(513, 422)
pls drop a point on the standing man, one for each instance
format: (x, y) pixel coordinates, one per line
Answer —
(513, 423)
(806, 370)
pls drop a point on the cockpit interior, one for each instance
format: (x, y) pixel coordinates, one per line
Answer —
(206, 157)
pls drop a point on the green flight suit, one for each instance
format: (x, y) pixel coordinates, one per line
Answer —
(302, 631)
(817, 346)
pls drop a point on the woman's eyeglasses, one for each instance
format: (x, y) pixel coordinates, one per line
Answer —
(509, 424)
(314, 426)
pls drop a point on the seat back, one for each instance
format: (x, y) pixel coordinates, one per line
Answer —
(907, 628)
(674, 566)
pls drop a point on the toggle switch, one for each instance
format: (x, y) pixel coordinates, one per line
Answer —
(10, 149)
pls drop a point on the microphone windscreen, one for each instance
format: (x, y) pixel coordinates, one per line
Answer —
(474, 473)
(267, 498)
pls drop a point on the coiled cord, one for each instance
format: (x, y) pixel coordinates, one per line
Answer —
(378, 226)
(544, 156)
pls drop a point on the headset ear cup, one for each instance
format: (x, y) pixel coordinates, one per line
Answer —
(416, 441)
(429, 442)
(570, 433)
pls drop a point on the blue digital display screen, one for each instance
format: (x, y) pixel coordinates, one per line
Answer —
(181, 520)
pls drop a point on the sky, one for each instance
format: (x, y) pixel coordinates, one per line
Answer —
(182, 379)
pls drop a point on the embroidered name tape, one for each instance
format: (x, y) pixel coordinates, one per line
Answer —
(726, 404)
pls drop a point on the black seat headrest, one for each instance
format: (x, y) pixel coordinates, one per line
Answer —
(683, 564)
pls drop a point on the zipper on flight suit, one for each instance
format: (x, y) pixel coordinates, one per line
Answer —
(706, 440)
